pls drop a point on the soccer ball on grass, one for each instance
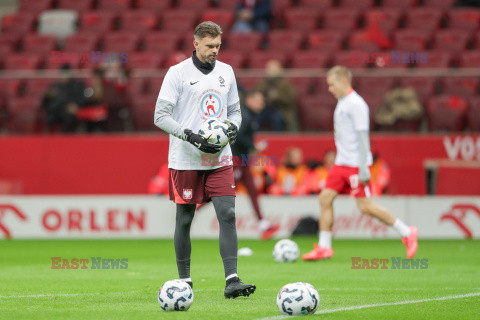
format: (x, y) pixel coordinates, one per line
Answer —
(175, 295)
(285, 250)
(296, 299)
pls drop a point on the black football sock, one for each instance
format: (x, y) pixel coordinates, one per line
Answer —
(225, 210)
(181, 239)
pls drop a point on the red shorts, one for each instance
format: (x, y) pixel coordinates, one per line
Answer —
(199, 186)
(345, 180)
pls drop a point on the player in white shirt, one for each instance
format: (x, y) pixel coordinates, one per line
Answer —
(351, 172)
(197, 89)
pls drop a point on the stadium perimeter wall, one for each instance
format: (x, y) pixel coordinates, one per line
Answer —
(58, 217)
(124, 164)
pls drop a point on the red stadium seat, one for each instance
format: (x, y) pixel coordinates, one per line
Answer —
(139, 21)
(443, 4)
(461, 86)
(465, 19)
(427, 19)
(399, 4)
(76, 5)
(446, 112)
(326, 40)
(374, 101)
(470, 59)
(424, 86)
(451, 40)
(122, 41)
(228, 5)
(143, 111)
(301, 19)
(360, 40)
(156, 6)
(473, 120)
(436, 59)
(411, 40)
(8, 88)
(347, 59)
(374, 85)
(22, 61)
(249, 83)
(35, 6)
(115, 5)
(234, 58)
(316, 4)
(136, 87)
(23, 114)
(57, 59)
(179, 21)
(39, 44)
(154, 85)
(38, 87)
(197, 5)
(304, 86)
(316, 112)
(357, 4)
(345, 19)
(310, 59)
(6, 47)
(97, 22)
(144, 60)
(259, 59)
(81, 42)
(19, 23)
(386, 18)
(224, 18)
(161, 42)
(177, 57)
(279, 7)
(244, 42)
(284, 40)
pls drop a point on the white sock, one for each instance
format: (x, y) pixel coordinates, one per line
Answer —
(402, 228)
(186, 280)
(325, 239)
(233, 275)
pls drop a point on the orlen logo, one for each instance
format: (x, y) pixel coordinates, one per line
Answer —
(4, 209)
(458, 213)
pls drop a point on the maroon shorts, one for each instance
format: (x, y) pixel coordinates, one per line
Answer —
(199, 186)
(345, 180)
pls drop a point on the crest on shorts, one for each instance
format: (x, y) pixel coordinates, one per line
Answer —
(187, 194)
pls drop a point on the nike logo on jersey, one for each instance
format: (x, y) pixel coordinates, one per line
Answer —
(192, 83)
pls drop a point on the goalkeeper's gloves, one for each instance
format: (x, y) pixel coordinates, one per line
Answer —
(232, 131)
(200, 142)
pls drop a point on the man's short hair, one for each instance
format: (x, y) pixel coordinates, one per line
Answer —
(207, 29)
(341, 72)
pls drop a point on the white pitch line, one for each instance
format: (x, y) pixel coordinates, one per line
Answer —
(62, 294)
(382, 305)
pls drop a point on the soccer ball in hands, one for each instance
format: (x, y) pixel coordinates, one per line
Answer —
(215, 131)
(285, 250)
(175, 295)
(296, 299)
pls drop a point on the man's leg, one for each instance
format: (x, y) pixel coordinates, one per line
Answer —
(183, 247)
(225, 210)
(324, 248)
(409, 234)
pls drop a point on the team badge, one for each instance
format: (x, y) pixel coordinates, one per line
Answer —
(222, 81)
(211, 105)
(187, 194)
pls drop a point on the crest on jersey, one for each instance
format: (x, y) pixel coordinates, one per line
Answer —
(187, 194)
(211, 105)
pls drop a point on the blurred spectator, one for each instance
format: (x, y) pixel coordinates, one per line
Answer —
(280, 95)
(63, 101)
(380, 175)
(252, 15)
(289, 175)
(399, 104)
(244, 147)
(315, 175)
(159, 183)
(468, 3)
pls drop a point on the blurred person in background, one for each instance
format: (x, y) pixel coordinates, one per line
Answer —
(244, 147)
(350, 173)
(63, 100)
(315, 175)
(280, 94)
(252, 15)
(380, 171)
(289, 175)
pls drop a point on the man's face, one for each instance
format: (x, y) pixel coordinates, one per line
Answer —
(207, 48)
(337, 86)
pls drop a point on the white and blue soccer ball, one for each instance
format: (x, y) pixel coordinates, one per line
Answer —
(296, 299)
(215, 131)
(175, 295)
(286, 250)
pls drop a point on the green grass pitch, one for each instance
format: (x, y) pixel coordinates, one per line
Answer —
(31, 289)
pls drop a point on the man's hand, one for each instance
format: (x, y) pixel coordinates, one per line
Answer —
(364, 176)
(232, 131)
(200, 142)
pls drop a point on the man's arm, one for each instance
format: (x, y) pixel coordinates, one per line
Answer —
(364, 148)
(234, 114)
(163, 119)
